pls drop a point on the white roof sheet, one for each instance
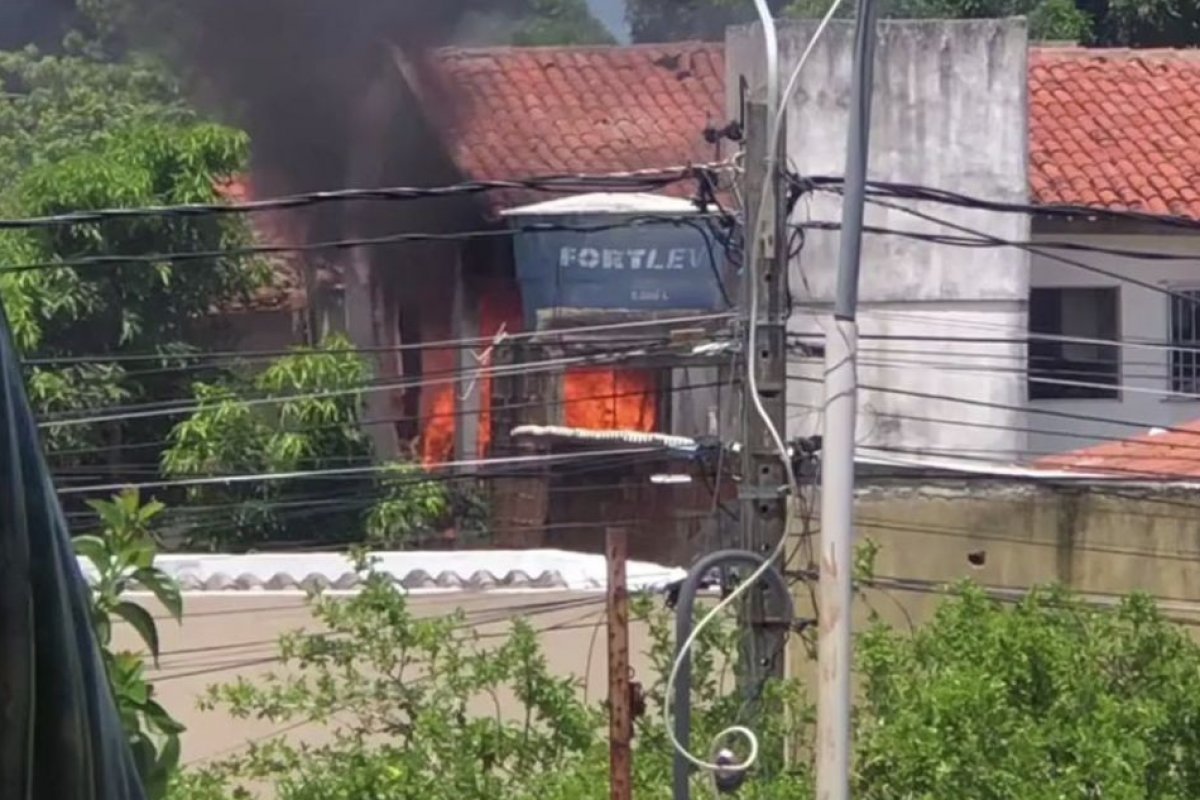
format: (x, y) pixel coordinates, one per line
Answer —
(438, 570)
(606, 203)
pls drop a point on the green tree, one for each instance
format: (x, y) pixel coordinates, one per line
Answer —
(401, 695)
(1058, 20)
(1045, 699)
(560, 22)
(1100, 23)
(58, 106)
(675, 20)
(121, 556)
(303, 413)
(145, 305)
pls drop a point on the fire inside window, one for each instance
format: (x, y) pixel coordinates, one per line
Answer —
(592, 398)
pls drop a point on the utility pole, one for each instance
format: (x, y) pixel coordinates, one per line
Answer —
(620, 710)
(837, 469)
(763, 488)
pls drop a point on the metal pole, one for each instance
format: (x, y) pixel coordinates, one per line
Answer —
(837, 469)
(684, 612)
(762, 490)
(620, 713)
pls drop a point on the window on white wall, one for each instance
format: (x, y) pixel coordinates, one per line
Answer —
(1185, 338)
(1070, 349)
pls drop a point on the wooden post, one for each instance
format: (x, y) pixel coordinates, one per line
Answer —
(620, 713)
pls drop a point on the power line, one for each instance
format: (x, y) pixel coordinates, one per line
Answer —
(982, 238)
(641, 180)
(180, 407)
(348, 471)
(157, 259)
(447, 344)
(1027, 337)
(559, 402)
(909, 191)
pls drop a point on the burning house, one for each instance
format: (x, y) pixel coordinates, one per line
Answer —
(538, 282)
(577, 262)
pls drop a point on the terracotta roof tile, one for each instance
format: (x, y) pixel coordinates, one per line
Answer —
(1171, 454)
(582, 109)
(1124, 118)
(1117, 129)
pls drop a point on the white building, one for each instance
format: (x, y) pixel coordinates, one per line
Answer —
(949, 111)
(1126, 140)
(968, 107)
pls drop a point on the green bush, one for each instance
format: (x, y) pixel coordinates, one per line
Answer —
(396, 690)
(122, 556)
(1047, 698)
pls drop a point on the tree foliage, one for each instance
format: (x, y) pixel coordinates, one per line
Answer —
(140, 306)
(1047, 699)
(121, 556)
(413, 708)
(55, 106)
(675, 20)
(560, 22)
(1044, 699)
(1101, 23)
(302, 413)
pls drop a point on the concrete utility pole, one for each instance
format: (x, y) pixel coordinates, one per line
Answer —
(834, 656)
(763, 487)
(620, 710)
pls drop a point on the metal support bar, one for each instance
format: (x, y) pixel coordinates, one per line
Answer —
(616, 551)
(835, 654)
(763, 487)
(684, 613)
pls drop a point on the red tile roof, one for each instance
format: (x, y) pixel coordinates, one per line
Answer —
(1118, 129)
(545, 110)
(1169, 454)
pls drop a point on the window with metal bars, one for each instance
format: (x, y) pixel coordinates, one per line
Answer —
(1185, 341)
(1070, 355)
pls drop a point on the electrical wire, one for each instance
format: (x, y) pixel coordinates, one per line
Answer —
(157, 259)
(398, 348)
(908, 191)
(560, 402)
(180, 407)
(639, 180)
(984, 239)
(347, 471)
(776, 110)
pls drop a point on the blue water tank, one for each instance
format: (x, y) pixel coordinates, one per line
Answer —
(616, 253)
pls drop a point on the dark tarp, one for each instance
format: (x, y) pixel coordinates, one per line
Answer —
(60, 735)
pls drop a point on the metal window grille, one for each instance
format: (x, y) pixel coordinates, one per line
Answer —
(1185, 338)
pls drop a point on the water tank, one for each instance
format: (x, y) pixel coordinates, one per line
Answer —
(595, 256)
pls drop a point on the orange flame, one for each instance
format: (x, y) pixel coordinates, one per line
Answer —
(610, 399)
(437, 406)
(593, 398)
(499, 307)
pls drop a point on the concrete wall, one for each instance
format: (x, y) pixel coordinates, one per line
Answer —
(1102, 542)
(949, 111)
(1144, 316)
(1105, 542)
(233, 634)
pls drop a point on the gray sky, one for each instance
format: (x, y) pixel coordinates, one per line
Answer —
(612, 14)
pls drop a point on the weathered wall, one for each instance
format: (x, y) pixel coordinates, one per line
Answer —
(1144, 318)
(233, 634)
(1104, 542)
(949, 111)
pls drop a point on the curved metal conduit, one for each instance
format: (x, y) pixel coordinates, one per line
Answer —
(684, 609)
